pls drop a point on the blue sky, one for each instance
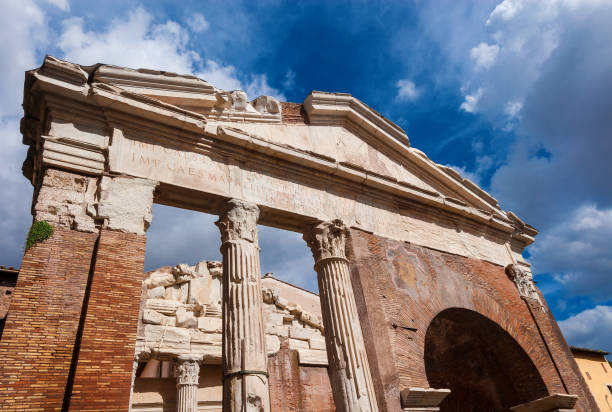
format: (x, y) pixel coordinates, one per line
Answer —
(516, 95)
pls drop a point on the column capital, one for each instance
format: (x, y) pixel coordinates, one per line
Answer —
(327, 240)
(238, 221)
(523, 281)
(188, 370)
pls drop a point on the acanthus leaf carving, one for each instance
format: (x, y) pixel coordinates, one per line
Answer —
(327, 240)
(188, 370)
(238, 221)
(523, 281)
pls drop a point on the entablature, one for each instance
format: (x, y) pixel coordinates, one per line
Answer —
(96, 128)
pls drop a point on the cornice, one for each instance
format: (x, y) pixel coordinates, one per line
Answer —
(343, 109)
(338, 108)
(198, 92)
(121, 106)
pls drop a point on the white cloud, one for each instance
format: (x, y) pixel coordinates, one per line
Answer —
(484, 55)
(133, 42)
(470, 104)
(259, 86)
(591, 328)
(24, 28)
(137, 41)
(60, 4)
(289, 81)
(512, 109)
(549, 84)
(406, 90)
(577, 251)
(197, 22)
(223, 77)
(226, 78)
(506, 10)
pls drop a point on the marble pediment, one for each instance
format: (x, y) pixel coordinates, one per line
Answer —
(106, 119)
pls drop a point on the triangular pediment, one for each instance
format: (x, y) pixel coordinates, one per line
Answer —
(333, 133)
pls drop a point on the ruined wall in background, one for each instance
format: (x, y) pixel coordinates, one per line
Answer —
(181, 314)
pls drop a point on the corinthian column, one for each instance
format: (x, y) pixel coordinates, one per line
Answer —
(187, 377)
(245, 377)
(348, 368)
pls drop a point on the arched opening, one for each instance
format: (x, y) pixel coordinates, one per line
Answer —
(482, 365)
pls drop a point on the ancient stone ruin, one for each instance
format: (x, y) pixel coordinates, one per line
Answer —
(425, 300)
(181, 324)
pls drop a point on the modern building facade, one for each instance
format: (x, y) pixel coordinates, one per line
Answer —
(597, 373)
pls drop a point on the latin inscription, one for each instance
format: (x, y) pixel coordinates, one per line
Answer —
(170, 165)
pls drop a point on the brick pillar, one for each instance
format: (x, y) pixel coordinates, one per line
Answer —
(39, 337)
(40, 332)
(103, 374)
(560, 354)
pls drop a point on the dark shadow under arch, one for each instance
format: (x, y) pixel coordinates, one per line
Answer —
(482, 365)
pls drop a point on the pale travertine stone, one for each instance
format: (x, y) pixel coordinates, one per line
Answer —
(187, 378)
(158, 292)
(272, 344)
(318, 344)
(298, 344)
(523, 280)
(245, 384)
(349, 370)
(84, 203)
(360, 166)
(210, 324)
(161, 339)
(166, 338)
(313, 357)
(125, 203)
(555, 402)
(186, 319)
(423, 399)
(64, 199)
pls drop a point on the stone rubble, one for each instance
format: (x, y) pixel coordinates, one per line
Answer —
(182, 316)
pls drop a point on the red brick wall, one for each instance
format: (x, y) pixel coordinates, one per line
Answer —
(104, 369)
(400, 288)
(38, 339)
(298, 388)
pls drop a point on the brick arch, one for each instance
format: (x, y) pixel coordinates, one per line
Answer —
(479, 360)
(523, 331)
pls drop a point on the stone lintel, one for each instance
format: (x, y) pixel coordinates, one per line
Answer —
(553, 403)
(423, 399)
(140, 97)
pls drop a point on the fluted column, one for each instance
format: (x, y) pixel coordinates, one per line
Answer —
(187, 377)
(245, 377)
(348, 368)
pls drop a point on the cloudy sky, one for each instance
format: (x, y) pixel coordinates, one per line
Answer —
(516, 95)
